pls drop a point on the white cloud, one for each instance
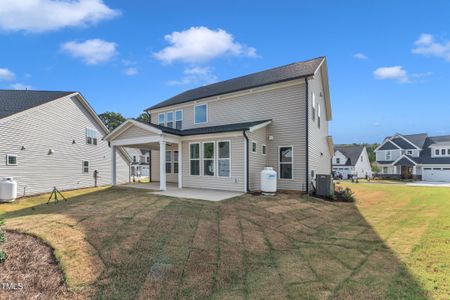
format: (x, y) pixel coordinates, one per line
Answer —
(195, 75)
(360, 55)
(376, 124)
(130, 71)
(427, 45)
(396, 73)
(45, 15)
(21, 86)
(6, 74)
(201, 44)
(92, 52)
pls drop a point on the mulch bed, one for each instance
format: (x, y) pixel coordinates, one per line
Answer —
(30, 271)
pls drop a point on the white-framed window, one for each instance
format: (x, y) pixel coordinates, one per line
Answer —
(318, 115)
(388, 155)
(134, 159)
(313, 111)
(148, 159)
(224, 158)
(201, 113)
(179, 119)
(208, 158)
(91, 136)
(169, 119)
(338, 160)
(254, 147)
(175, 162)
(409, 152)
(168, 161)
(161, 119)
(263, 149)
(11, 160)
(443, 151)
(448, 151)
(85, 166)
(194, 159)
(285, 161)
(362, 158)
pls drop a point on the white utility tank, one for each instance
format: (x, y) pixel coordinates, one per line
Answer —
(268, 181)
(8, 189)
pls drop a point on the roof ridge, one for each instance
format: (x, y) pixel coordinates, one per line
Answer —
(46, 91)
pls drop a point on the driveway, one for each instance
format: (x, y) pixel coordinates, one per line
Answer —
(429, 183)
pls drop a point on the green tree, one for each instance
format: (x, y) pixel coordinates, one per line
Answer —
(112, 119)
(144, 117)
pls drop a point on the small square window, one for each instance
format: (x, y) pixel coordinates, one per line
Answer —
(85, 165)
(254, 145)
(436, 152)
(263, 149)
(338, 160)
(442, 151)
(11, 160)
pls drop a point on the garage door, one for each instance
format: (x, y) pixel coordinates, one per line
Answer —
(436, 174)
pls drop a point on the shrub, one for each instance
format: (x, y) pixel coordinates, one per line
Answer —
(347, 195)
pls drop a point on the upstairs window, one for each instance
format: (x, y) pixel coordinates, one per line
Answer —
(409, 152)
(179, 119)
(388, 155)
(161, 119)
(254, 147)
(208, 159)
(148, 159)
(318, 116)
(201, 113)
(263, 149)
(91, 136)
(194, 159)
(224, 159)
(442, 151)
(169, 119)
(313, 116)
(362, 158)
(134, 159)
(448, 151)
(436, 152)
(338, 160)
(286, 162)
(11, 160)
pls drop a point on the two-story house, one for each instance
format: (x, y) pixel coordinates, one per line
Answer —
(416, 156)
(140, 164)
(220, 136)
(351, 160)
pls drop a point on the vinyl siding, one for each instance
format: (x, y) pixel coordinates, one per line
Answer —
(285, 106)
(133, 132)
(170, 177)
(381, 154)
(363, 168)
(55, 125)
(257, 161)
(319, 152)
(342, 158)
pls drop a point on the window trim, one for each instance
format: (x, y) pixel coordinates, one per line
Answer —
(181, 120)
(256, 147)
(338, 160)
(83, 167)
(7, 159)
(169, 162)
(167, 119)
(199, 158)
(164, 119)
(94, 137)
(386, 155)
(279, 162)
(195, 113)
(313, 106)
(318, 116)
(175, 161)
(218, 158)
(213, 159)
(263, 147)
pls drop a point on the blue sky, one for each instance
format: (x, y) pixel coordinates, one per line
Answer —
(389, 61)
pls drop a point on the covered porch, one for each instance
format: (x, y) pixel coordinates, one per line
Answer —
(134, 134)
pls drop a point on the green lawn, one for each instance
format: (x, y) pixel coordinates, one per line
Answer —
(394, 242)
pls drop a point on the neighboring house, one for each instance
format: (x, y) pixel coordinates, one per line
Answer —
(52, 139)
(222, 135)
(140, 162)
(416, 156)
(351, 160)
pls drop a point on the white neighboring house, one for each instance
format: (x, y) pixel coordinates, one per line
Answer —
(351, 160)
(140, 162)
(50, 138)
(415, 156)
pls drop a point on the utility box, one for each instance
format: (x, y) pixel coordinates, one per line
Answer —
(324, 184)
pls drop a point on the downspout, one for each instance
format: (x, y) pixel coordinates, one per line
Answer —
(247, 162)
(307, 136)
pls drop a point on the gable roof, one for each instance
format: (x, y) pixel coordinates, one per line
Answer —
(417, 139)
(352, 152)
(15, 101)
(388, 145)
(276, 75)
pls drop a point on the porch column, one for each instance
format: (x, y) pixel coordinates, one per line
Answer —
(162, 165)
(180, 165)
(113, 166)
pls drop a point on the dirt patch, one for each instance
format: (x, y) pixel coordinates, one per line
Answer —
(31, 270)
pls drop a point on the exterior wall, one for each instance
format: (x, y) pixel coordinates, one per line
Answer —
(345, 171)
(236, 182)
(342, 158)
(381, 155)
(363, 168)
(170, 177)
(257, 161)
(133, 132)
(55, 125)
(319, 152)
(285, 106)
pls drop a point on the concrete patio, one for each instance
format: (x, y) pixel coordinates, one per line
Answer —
(172, 190)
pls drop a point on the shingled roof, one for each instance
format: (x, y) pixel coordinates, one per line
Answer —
(13, 101)
(352, 152)
(271, 76)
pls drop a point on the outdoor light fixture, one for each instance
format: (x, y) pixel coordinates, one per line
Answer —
(51, 151)
(73, 142)
(23, 148)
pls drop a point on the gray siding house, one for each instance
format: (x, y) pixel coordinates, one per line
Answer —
(415, 156)
(222, 135)
(52, 139)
